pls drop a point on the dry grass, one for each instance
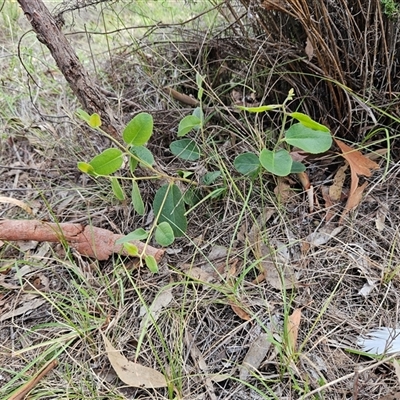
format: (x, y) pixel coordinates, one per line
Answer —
(197, 340)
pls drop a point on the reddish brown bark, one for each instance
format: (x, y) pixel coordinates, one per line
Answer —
(49, 33)
(87, 240)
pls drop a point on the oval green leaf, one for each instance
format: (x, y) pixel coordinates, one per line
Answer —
(144, 154)
(186, 149)
(83, 115)
(136, 199)
(198, 112)
(133, 163)
(139, 129)
(308, 139)
(277, 162)
(297, 167)
(169, 207)
(151, 264)
(187, 124)
(192, 197)
(164, 234)
(260, 109)
(117, 189)
(107, 162)
(199, 82)
(137, 234)
(86, 168)
(95, 121)
(309, 122)
(131, 249)
(246, 163)
(210, 177)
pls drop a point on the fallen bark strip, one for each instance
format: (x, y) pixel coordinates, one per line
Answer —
(87, 240)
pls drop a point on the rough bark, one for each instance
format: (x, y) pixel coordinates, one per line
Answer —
(48, 32)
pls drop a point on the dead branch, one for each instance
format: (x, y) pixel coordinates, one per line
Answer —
(87, 240)
(22, 392)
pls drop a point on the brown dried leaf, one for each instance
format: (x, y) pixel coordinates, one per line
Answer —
(323, 235)
(298, 155)
(240, 312)
(359, 164)
(309, 49)
(304, 179)
(31, 302)
(335, 191)
(293, 329)
(199, 360)
(131, 373)
(150, 314)
(19, 203)
(278, 273)
(381, 217)
(257, 351)
(353, 201)
(38, 283)
(283, 191)
(199, 274)
(328, 203)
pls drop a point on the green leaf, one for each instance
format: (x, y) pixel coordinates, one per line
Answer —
(137, 234)
(277, 162)
(260, 109)
(86, 168)
(297, 167)
(191, 197)
(169, 207)
(139, 129)
(133, 163)
(308, 139)
(83, 115)
(186, 149)
(184, 174)
(164, 234)
(247, 163)
(151, 264)
(131, 249)
(143, 153)
(187, 124)
(107, 162)
(210, 177)
(117, 189)
(95, 121)
(199, 82)
(198, 112)
(217, 192)
(309, 122)
(136, 199)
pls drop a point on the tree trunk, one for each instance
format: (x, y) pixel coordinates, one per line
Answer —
(48, 32)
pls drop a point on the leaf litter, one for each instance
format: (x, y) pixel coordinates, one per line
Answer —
(131, 373)
(359, 165)
(319, 270)
(293, 329)
(151, 314)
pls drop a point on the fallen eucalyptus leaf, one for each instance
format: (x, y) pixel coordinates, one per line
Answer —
(131, 373)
